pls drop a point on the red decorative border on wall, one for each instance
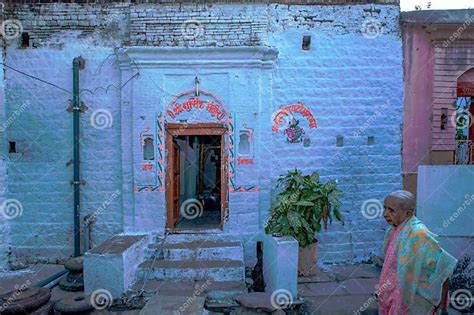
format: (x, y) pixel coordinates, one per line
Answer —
(172, 110)
(293, 108)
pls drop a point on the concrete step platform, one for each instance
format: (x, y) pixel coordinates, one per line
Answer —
(196, 237)
(196, 250)
(341, 304)
(169, 305)
(212, 289)
(182, 270)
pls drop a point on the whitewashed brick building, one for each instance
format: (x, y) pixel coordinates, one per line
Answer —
(231, 65)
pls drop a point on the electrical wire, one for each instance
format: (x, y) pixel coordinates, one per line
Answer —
(111, 85)
(62, 89)
(36, 78)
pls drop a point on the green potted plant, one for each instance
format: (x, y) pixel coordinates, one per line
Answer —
(300, 210)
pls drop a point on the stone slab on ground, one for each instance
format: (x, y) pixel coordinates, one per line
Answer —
(340, 305)
(349, 290)
(57, 293)
(321, 289)
(158, 287)
(190, 305)
(359, 286)
(257, 300)
(107, 312)
(211, 289)
(32, 275)
(320, 276)
(247, 311)
(344, 272)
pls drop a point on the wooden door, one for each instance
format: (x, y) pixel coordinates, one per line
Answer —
(176, 182)
(173, 181)
(224, 182)
(173, 176)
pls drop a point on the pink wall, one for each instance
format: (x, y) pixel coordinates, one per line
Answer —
(452, 59)
(433, 63)
(418, 109)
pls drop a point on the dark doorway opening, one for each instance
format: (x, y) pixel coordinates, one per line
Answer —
(196, 177)
(200, 173)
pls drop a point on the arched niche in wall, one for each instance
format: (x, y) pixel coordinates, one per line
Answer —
(245, 147)
(244, 143)
(148, 148)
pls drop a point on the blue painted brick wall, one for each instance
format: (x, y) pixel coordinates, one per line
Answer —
(351, 83)
(4, 223)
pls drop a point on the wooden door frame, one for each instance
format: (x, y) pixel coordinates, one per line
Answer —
(194, 129)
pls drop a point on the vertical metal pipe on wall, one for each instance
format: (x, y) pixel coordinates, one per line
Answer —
(77, 64)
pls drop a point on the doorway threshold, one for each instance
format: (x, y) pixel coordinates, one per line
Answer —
(196, 231)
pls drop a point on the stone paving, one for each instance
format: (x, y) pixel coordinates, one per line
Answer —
(10, 280)
(335, 290)
(340, 290)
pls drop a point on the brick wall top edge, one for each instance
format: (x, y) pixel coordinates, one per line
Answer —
(288, 2)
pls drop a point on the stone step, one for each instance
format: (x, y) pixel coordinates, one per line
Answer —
(196, 250)
(181, 270)
(163, 305)
(196, 237)
(213, 289)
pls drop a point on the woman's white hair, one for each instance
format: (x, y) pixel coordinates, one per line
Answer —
(406, 199)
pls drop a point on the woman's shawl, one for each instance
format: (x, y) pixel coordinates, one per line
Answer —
(422, 266)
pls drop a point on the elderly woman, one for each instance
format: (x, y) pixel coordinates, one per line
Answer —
(415, 267)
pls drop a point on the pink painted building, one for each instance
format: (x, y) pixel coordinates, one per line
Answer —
(439, 85)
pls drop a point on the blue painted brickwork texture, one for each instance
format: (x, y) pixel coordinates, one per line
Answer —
(4, 223)
(351, 83)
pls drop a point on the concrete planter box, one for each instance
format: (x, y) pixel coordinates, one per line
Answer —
(280, 264)
(112, 265)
